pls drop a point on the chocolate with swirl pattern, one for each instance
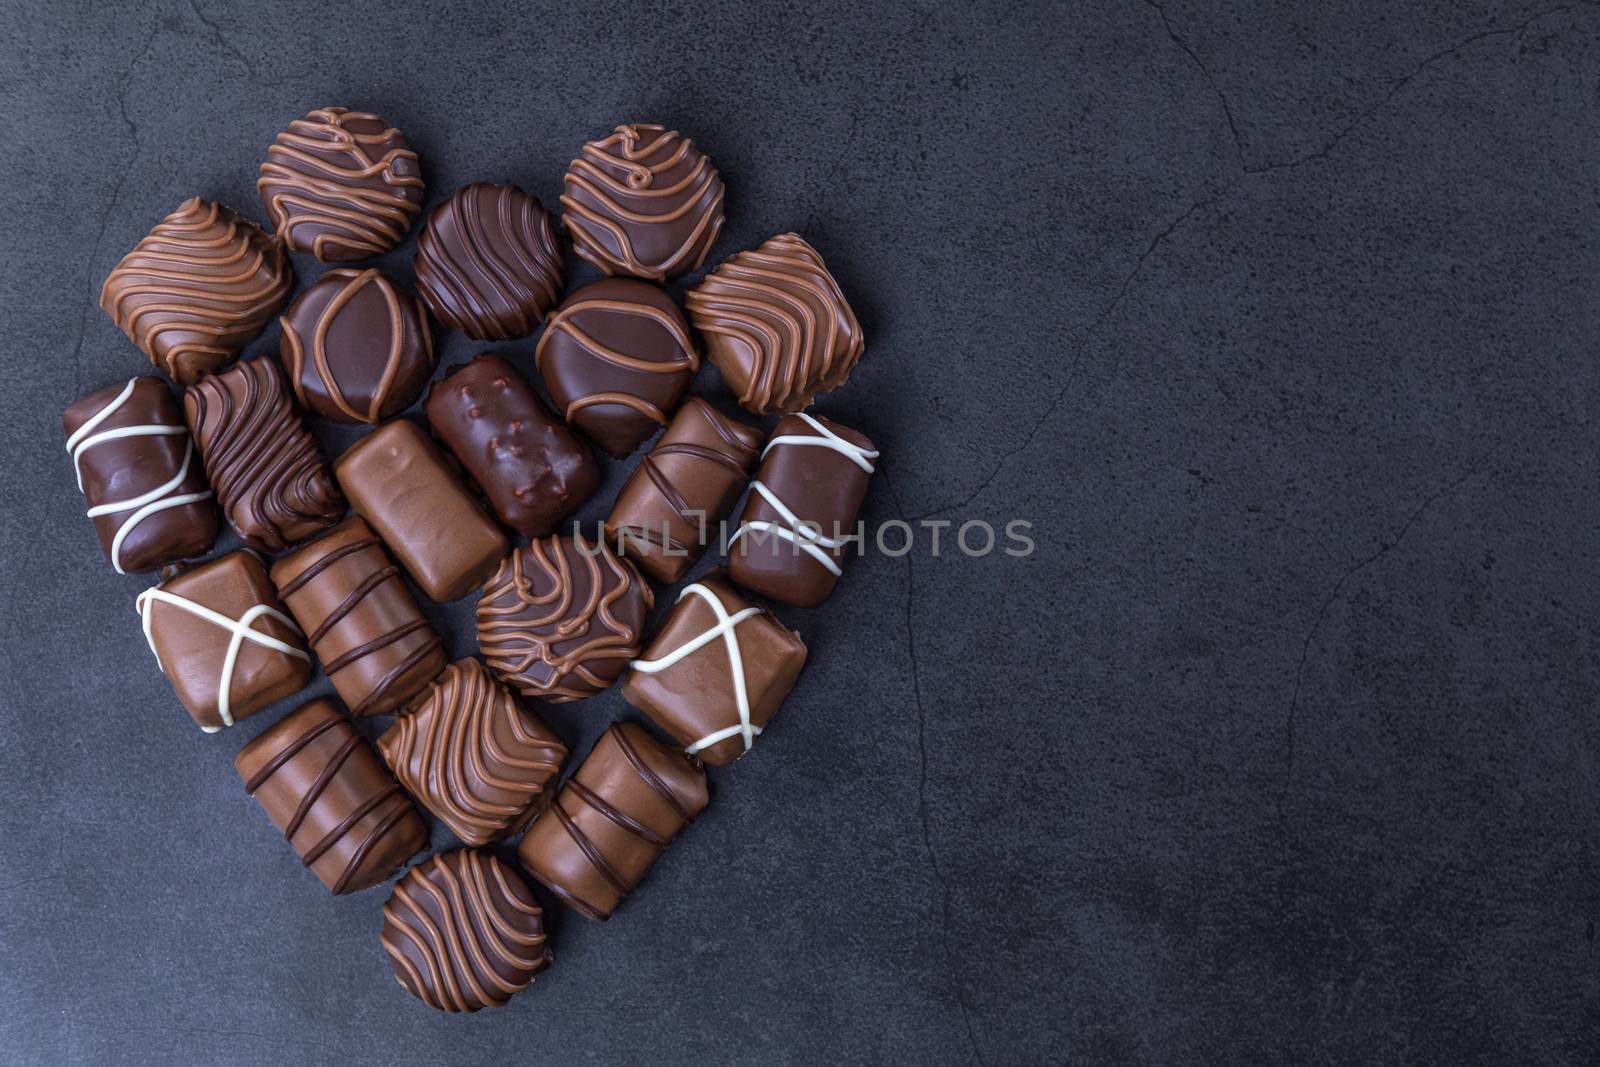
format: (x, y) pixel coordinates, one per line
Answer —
(561, 618)
(612, 819)
(643, 201)
(268, 472)
(197, 288)
(463, 931)
(488, 263)
(342, 185)
(348, 596)
(472, 756)
(321, 785)
(776, 325)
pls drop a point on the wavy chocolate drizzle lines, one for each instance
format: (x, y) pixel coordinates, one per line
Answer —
(354, 282)
(480, 293)
(564, 322)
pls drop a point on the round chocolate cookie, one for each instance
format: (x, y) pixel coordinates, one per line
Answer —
(342, 185)
(617, 358)
(463, 931)
(356, 348)
(643, 201)
(561, 619)
(488, 263)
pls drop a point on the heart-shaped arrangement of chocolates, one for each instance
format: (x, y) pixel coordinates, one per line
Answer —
(473, 502)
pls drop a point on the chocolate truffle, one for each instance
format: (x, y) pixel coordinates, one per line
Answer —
(488, 263)
(321, 785)
(136, 466)
(398, 480)
(347, 593)
(357, 349)
(532, 469)
(716, 672)
(342, 185)
(464, 932)
(776, 325)
(800, 516)
(561, 618)
(617, 358)
(223, 640)
(474, 758)
(268, 471)
(643, 201)
(682, 488)
(201, 285)
(612, 819)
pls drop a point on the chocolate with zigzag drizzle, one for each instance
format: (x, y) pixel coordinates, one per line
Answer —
(321, 785)
(362, 622)
(472, 756)
(612, 819)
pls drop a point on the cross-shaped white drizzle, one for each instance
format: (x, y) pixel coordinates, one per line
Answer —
(725, 630)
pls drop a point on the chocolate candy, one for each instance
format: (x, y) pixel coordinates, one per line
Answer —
(321, 785)
(716, 672)
(612, 819)
(201, 285)
(643, 201)
(533, 470)
(397, 479)
(488, 263)
(561, 618)
(617, 358)
(776, 325)
(342, 185)
(221, 636)
(268, 471)
(357, 349)
(136, 466)
(685, 485)
(464, 932)
(472, 756)
(374, 644)
(801, 511)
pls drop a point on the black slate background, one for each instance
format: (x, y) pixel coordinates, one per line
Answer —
(1277, 320)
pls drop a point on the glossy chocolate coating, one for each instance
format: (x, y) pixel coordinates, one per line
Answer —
(777, 326)
(347, 594)
(356, 348)
(463, 932)
(488, 263)
(670, 506)
(643, 201)
(696, 696)
(612, 819)
(472, 756)
(342, 185)
(140, 475)
(533, 470)
(267, 470)
(201, 285)
(324, 789)
(820, 486)
(192, 648)
(617, 358)
(398, 480)
(560, 620)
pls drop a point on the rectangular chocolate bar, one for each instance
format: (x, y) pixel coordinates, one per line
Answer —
(397, 479)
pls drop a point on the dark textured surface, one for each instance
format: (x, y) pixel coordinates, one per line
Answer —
(1277, 321)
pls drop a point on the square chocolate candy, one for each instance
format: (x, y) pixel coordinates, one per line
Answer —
(224, 640)
(716, 672)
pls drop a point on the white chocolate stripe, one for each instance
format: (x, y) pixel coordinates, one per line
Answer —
(861, 457)
(102, 415)
(725, 630)
(758, 526)
(242, 629)
(806, 531)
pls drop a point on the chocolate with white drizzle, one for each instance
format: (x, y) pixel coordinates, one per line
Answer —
(322, 786)
(612, 820)
(717, 671)
(800, 516)
(221, 636)
(137, 467)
